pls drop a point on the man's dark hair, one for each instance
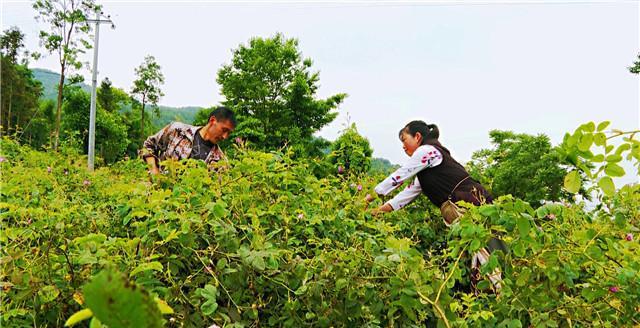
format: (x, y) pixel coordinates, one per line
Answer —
(222, 113)
(429, 132)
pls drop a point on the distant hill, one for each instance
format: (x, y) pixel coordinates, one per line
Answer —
(179, 114)
(50, 79)
(382, 165)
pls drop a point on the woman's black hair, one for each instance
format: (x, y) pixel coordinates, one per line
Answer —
(429, 132)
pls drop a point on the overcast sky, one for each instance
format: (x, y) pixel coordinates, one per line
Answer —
(468, 66)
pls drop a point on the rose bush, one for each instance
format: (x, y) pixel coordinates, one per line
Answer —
(259, 241)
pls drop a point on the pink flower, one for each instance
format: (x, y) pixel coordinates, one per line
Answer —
(86, 182)
(359, 187)
(29, 221)
(48, 169)
(238, 140)
(2, 159)
(300, 216)
(614, 289)
(629, 237)
(340, 169)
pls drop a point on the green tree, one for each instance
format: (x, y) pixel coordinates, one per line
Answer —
(273, 91)
(202, 117)
(41, 125)
(67, 37)
(635, 69)
(351, 152)
(11, 43)
(522, 165)
(111, 98)
(111, 130)
(146, 88)
(19, 89)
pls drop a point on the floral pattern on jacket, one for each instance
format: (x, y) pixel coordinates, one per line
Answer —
(175, 141)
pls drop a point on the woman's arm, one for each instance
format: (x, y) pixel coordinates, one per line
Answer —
(406, 196)
(425, 156)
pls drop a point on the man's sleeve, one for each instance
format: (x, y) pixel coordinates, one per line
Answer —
(156, 144)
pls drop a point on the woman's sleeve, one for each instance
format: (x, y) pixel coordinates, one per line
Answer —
(425, 156)
(406, 196)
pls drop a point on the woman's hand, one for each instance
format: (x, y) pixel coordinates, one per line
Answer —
(382, 209)
(368, 199)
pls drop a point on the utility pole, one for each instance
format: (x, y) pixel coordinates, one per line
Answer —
(94, 81)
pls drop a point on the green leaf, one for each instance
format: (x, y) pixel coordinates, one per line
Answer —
(515, 323)
(614, 158)
(608, 149)
(157, 266)
(588, 127)
(483, 285)
(475, 244)
(258, 263)
(572, 182)
(48, 293)
(603, 125)
(210, 294)
(163, 306)
(600, 139)
(301, 290)
(523, 226)
(78, 316)
(614, 170)
(585, 142)
(622, 148)
(116, 302)
(598, 158)
(95, 323)
(607, 186)
(519, 250)
(488, 210)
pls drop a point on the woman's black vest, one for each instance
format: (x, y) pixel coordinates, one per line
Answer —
(439, 181)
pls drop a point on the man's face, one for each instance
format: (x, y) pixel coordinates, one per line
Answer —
(219, 130)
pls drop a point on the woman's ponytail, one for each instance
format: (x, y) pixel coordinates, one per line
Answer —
(433, 132)
(429, 132)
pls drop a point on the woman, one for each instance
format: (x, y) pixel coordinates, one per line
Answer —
(432, 171)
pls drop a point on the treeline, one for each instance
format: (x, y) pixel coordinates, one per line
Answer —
(272, 89)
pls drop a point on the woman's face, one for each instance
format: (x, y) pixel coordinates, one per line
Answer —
(410, 143)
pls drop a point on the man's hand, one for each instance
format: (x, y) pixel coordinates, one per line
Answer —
(153, 168)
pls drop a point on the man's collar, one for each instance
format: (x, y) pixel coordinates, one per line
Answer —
(191, 131)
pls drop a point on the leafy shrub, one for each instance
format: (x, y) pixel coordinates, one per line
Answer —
(351, 152)
(259, 241)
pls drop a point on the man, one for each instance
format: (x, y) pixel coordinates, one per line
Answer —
(181, 141)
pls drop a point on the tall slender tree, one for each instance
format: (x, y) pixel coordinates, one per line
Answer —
(11, 43)
(146, 88)
(19, 89)
(67, 36)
